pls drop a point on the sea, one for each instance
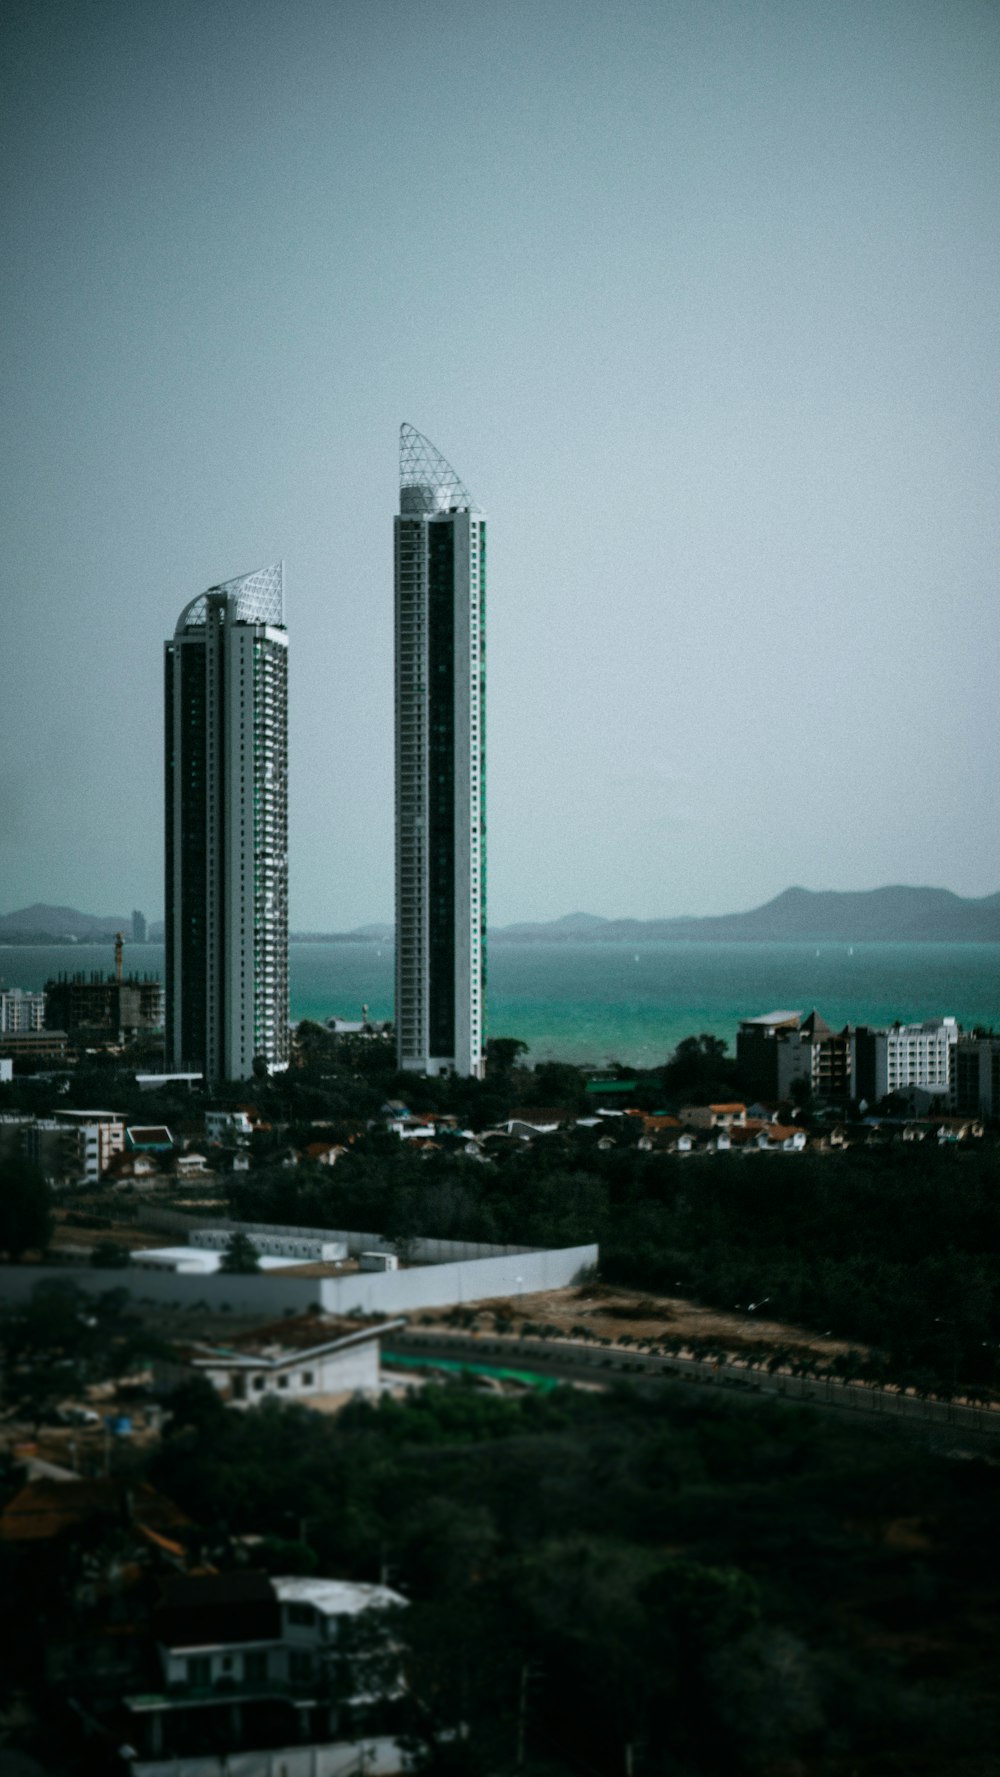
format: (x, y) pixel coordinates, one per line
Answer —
(592, 1003)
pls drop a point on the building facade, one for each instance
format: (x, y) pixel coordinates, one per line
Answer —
(226, 685)
(98, 1008)
(440, 611)
(904, 1057)
(975, 1076)
(21, 1012)
(779, 1049)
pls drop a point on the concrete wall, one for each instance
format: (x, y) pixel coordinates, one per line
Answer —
(386, 1292)
(344, 1758)
(439, 1286)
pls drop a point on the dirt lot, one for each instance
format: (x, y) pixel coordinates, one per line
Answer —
(611, 1313)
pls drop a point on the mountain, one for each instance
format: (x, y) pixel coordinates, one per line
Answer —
(47, 925)
(571, 925)
(884, 915)
(809, 916)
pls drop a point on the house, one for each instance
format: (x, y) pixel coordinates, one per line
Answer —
(264, 1671)
(410, 1128)
(235, 1123)
(714, 1116)
(81, 1558)
(302, 1358)
(190, 1165)
(324, 1153)
(132, 1166)
(143, 1138)
(526, 1125)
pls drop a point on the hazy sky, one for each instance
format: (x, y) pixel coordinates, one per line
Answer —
(701, 301)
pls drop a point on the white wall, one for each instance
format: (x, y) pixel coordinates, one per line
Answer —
(387, 1292)
(344, 1758)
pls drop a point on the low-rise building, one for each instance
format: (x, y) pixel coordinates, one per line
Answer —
(303, 1357)
(235, 1123)
(92, 1138)
(269, 1667)
(714, 1116)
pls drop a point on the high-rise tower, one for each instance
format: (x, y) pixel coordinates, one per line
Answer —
(440, 766)
(227, 829)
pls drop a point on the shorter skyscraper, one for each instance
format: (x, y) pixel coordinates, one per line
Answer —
(226, 688)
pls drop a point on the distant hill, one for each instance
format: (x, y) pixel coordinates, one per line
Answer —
(884, 915)
(42, 924)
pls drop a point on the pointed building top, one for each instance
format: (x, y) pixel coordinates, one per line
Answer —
(257, 598)
(427, 481)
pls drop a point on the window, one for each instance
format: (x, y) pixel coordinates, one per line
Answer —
(303, 1614)
(308, 1378)
(255, 1668)
(199, 1670)
(300, 1664)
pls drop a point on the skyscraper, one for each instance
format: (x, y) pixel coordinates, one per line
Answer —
(440, 766)
(227, 829)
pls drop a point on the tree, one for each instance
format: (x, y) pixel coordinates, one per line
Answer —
(26, 1219)
(503, 1053)
(240, 1257)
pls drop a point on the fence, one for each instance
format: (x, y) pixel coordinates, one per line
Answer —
(824, 1391)
(421, 1250)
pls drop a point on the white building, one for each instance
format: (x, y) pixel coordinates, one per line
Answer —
(903, 1057)
(440, 575)
(317, 1658)
(21, 1013)
(92, 1138)
(297, 1247)
(227, 1126)
(227, 830)
(300, 1358)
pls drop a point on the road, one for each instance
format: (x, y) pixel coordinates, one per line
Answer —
(569, 1361)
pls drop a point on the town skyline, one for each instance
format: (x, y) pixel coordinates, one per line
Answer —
(714, 345)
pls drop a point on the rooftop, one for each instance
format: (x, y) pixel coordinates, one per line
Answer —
(258, 597)
(280, 1340)
(771, 1018)
(427, 481)
(335, 1598)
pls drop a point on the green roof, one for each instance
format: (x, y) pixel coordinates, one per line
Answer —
(605, 1086)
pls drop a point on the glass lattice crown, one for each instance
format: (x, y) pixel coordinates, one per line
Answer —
(427, 481)
(255, 598)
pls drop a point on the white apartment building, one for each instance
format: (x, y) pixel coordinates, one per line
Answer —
(92, 1138)
(21, 1012)
(903, 1057)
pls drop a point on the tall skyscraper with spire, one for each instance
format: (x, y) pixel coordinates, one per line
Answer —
(440, 766)
(226, 681)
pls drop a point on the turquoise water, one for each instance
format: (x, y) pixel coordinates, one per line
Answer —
(633, 1003)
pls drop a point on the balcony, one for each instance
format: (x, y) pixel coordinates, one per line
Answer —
(226, 1690)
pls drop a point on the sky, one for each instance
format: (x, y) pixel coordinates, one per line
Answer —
(699, 298)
